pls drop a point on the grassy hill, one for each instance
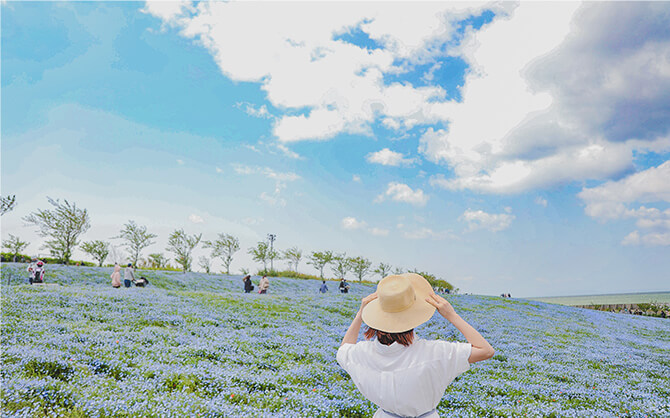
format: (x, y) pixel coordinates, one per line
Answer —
(196, 345)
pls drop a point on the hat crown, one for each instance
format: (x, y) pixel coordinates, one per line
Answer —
(396, 294)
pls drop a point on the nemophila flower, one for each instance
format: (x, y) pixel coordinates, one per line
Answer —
(195, 345)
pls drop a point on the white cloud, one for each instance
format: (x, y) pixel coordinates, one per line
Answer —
(303, 66)
(426, 233)
(379, 232)
(255, 111)
(180, 162)
(400, 192)
(541, 201)
(613, 200)
(196, 219)
(352, 223)
(273, 200)
(573, 102)
(287, 152)
(219, 170)
(388, 157)
(356, 178)
(478, 219)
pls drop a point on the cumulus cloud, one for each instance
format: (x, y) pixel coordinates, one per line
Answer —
(478, 219)
(541, 201)
(572, 103)
(388, 157)
(352, 223)
(254, 110)
(616, 200)
(575, 101)
(196, 219)
(303, 63)
(400, 192)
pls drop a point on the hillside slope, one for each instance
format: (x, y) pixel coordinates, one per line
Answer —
(195, 344)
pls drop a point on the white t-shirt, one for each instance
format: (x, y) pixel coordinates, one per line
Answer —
(407, 381)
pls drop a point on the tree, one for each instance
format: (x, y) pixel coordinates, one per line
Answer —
(398, 270)
(261, 253)
(320, 260)
(64, 224)
(224, 246)
(182, 246)
(341, 265)
(137, 238)
(14, 245)
(360, 266)
(7, 203)
(383, 270)
(205, 263)
(158, 261)
(433, 280)
(99, 250)
(293, 256)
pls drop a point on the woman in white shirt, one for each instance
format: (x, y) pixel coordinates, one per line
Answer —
(406, 376)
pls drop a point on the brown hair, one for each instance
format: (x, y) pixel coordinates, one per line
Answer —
(387, 338)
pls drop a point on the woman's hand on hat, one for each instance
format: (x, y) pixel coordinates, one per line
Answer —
(442, 305)
(369, 298)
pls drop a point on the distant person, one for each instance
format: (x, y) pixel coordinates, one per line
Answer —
(264, 285)
(248, 286)
(116, 276)
(406, 376)
(344, 286)
(128, 275)
(36, 272)
(323, 288)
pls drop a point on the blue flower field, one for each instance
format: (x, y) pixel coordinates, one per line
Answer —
(195, 345)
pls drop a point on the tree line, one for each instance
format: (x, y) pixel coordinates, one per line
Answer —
(64, 223)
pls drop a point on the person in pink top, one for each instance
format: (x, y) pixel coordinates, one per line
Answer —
(404, 375)
(116, 276)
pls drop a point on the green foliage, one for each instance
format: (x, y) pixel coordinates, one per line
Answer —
(136, 239)
(293, 255)
(46, 368)
(205, 263)
(320, 260)
(262, 253)
(360, 266)
(434, 281)
(7, 203)
(224, 247)
(383, 270)
(99, 250)
(9, 257)
(14, 245)
(287, 273)
(342, 265)
(64, 224)
(182, 246)
(158, 261)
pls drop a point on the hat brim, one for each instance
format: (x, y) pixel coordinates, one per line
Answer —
(395, 322)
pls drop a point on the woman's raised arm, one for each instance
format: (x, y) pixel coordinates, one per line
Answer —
(351, 337)
(481, 349)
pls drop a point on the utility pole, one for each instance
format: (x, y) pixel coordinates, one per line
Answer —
(271, 238)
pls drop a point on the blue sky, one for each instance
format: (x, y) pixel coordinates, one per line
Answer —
(438, 137)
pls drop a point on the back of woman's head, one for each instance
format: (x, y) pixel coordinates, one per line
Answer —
(405, 338)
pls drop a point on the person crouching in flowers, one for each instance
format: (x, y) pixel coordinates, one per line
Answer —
(406, 376)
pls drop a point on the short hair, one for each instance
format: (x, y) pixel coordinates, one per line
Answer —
(387, 338)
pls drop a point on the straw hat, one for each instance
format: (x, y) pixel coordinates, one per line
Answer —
(401, 303)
